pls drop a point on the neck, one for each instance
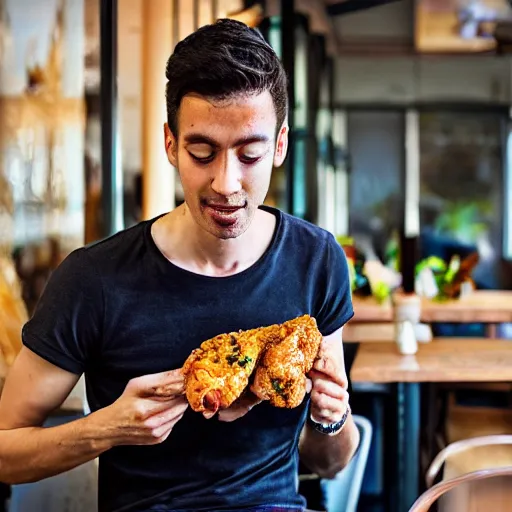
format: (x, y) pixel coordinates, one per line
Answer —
(214, 255)
(189, 246)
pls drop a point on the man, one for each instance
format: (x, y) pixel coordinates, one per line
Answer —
(128, 311)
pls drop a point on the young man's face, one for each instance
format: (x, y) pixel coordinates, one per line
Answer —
(224, 154)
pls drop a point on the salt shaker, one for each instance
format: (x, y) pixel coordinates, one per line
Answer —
(407, 311)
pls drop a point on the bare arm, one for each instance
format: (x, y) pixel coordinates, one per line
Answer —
(326, 455)
(34, 388)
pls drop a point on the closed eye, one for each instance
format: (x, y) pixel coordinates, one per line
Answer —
(249, 159)
(202, 159)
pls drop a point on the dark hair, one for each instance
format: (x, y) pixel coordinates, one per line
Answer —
(222, 60)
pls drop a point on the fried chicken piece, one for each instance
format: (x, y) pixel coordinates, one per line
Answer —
(218, 372)
(281, 374)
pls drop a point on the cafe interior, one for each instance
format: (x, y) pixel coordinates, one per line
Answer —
(400, 146)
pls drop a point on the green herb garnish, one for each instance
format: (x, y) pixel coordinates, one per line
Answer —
(232, 359)
(244, 361)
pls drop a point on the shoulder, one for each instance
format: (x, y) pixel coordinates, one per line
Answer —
(308, 235)
(117, 243)
(89, 262)
(121, 250)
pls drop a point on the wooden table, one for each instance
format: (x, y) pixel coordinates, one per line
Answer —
(442, 360)
(371, 322)
(367, 309)
(482, 306)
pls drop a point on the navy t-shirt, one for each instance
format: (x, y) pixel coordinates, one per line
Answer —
(119, 309)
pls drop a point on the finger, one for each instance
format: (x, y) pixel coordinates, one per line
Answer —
(144, 408)
(162, 433)
(330, 360)
(325, 416)
(321, 401)
(327, 365)
(236, 413)
(339, 376)
(309, 385)
(162, 385)
(240, 408)
(179, 406)
(324, 407)
(329, 387)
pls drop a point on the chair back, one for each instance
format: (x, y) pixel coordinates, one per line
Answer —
(473, 489)
(341, 494)
(488, 489)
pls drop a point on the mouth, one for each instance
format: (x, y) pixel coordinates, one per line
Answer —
(223, 215)
(224, 209)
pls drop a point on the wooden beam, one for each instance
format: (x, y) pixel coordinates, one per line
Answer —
(159, 33)
(349, 6)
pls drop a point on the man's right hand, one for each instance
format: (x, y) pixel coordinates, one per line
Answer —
(147, 411)
(144, 414)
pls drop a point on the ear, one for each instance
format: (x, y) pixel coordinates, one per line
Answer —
(281, 145)
(171, 146)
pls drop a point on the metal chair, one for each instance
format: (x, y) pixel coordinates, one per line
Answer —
(492, 486)
(341, 494)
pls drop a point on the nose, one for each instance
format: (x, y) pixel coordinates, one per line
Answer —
(227, 178)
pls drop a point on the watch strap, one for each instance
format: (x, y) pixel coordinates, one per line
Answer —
(330, 428)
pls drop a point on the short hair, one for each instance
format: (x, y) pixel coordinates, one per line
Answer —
(223, 60)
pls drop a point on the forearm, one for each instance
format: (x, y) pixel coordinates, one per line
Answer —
(33, 453)
(326, 455)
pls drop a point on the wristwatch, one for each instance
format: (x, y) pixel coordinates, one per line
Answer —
(330, 428)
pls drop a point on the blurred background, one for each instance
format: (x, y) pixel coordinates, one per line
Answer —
(401, 142)
(401, 109)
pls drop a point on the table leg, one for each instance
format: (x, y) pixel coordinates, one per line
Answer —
(491, 331)
(408, 444)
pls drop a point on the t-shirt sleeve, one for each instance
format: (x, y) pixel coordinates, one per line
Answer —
(334, 294)
(65, 328)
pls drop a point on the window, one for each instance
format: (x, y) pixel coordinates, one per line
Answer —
(376, 156)
(461, 187)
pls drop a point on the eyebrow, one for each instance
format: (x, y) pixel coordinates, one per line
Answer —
(198, 138)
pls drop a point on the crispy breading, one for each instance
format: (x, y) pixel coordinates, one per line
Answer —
(281, 374)
(219, 371)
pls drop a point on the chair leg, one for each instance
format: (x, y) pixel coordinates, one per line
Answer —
(432, 419)
(5, 494)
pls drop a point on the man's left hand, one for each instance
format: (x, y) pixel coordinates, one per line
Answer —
(327, 382)
(329, 396)
(240, 408)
